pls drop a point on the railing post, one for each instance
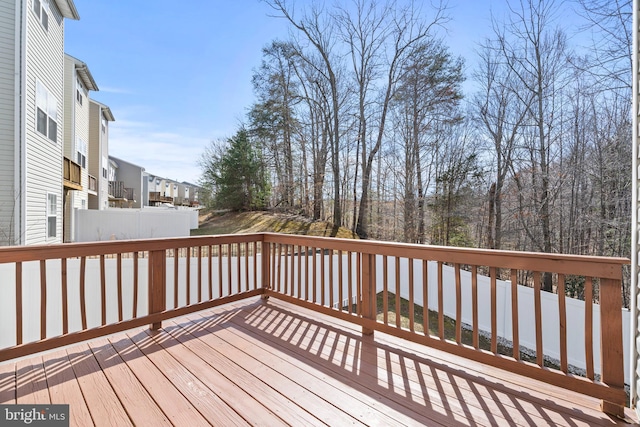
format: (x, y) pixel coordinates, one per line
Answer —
(611, 341)
(266, 266)
(368, 290)
(157, 284)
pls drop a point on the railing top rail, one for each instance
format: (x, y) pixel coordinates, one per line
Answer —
(596, 266)
(72, 250)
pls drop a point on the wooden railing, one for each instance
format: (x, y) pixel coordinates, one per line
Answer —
(71, 174)
(87, 290)
(93, 183)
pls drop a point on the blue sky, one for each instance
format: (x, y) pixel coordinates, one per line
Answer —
(177, 75)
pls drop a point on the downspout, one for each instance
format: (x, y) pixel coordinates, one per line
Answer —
(20, 126)
(633, 357)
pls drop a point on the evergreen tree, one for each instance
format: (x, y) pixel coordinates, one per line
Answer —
(235, 174)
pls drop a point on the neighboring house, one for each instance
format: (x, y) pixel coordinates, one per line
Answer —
(99, 117)
(125, 189)
(78, 81)
(31, 119)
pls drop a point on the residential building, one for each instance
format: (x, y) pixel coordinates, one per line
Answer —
(78, 81)
(99, 117)
(126, 185)
(31, 119)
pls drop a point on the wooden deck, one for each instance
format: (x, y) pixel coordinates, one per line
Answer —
(273, 363)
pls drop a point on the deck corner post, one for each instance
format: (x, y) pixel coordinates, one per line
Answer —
(611, 342)
(368, 290)
(266, 268)
(157, 285)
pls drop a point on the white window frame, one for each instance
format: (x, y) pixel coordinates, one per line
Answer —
(81, 153)
(46, 109)
(43, 12)
(79, 91)
(52, 213)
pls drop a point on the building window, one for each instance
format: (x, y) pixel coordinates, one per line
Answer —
(52, 219)
(46, 112)
(78, 96)
(81, 149)
(104, 126)
(104, 173)
(41, 9)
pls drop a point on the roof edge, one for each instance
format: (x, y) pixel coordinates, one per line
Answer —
(68, 9)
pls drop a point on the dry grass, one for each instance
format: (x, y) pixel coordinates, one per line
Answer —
(257, 222)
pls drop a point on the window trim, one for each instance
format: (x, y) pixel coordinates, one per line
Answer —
(45, 108)
(42, 11)
(50, 215)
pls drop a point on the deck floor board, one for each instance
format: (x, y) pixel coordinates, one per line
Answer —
(272, 363)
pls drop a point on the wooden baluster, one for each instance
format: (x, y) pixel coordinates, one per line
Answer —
(562, 315)
(83, 291)
(199, 273)
(385, 290)
(538, 316)
(210, 270)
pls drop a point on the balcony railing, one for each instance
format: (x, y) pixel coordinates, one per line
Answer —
(72, 175)
(117, 190)
(101, 288)
(93, 184)
(156, 197)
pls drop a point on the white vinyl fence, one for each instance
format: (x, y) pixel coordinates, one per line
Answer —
(120, 224)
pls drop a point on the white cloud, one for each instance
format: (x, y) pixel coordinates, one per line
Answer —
(168, 154)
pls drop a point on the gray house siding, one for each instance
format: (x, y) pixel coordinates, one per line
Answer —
(8, 52)
(45, 64)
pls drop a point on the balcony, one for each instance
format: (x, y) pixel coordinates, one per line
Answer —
(273, 329)
(156, 198)
(93, 185)
(72, 175)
